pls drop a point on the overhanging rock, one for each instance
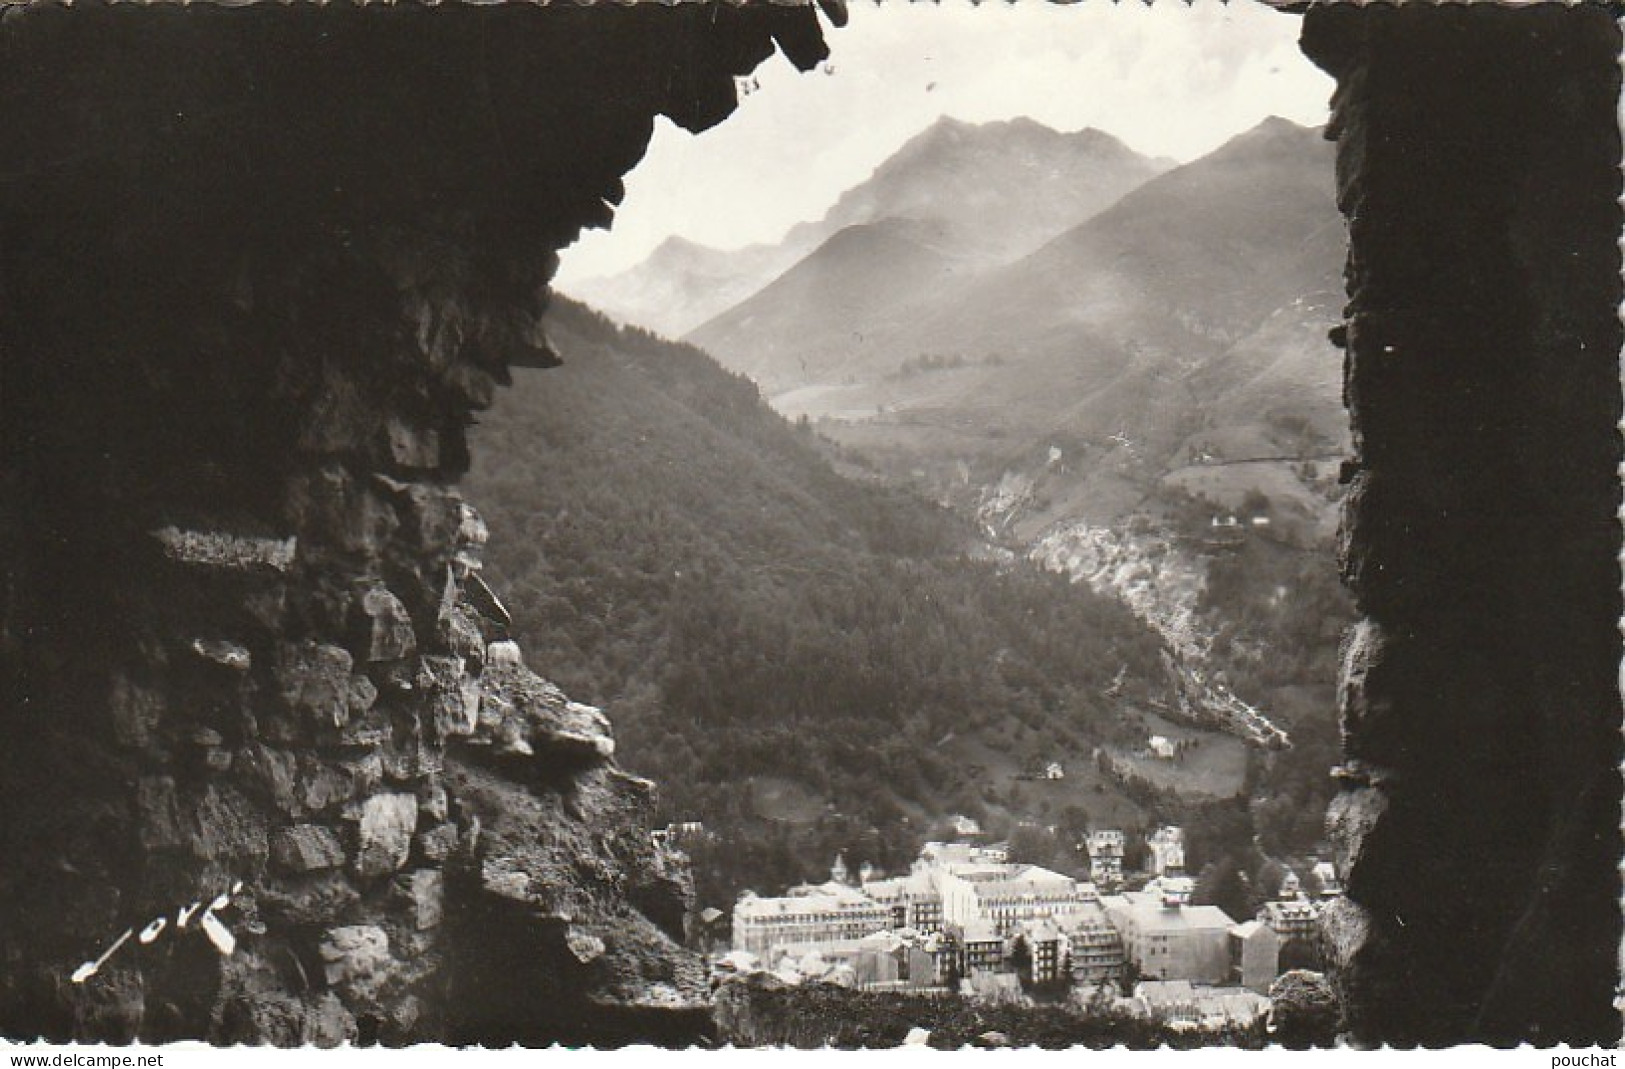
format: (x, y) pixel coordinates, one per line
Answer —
(259, 265)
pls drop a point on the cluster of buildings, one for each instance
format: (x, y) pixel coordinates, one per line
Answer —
(961, 910)
(965, 916)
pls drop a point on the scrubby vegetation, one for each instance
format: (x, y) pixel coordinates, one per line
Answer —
(755, 1014)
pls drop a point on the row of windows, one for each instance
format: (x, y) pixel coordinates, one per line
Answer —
(815, 918)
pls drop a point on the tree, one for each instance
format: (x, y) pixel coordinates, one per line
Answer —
(1136, 855)
(744, 613)
(1073, 825)
(1021, 960)
(1220, 884)
(1268, 881)
(1033, 845)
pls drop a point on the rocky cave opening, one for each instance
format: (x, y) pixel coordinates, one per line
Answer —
(261, 265)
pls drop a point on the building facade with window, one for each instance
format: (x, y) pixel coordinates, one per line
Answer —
(1048, 951)
(1255, 955)
(1097, 948)
(1165, 939)
(1292, 918)
(1167, 846)
(913, 900)
(1007, 895)
(981, 949)
(1106, 856)
(821, 914)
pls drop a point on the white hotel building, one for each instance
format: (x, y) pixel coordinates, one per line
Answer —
(1007, 895)
(974, 889)
(812, 915)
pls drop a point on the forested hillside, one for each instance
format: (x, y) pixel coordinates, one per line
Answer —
(787, 651)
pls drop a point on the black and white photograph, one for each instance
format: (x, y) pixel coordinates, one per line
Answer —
(815, 525)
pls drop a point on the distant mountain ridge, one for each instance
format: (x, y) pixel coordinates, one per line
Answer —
(863, 280)
(684, 283)
(1193, 308)
(994, 191)
(998, 190)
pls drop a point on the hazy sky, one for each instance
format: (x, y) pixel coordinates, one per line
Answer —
(1168, 79)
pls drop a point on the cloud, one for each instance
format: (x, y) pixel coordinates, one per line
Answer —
(1167, 79)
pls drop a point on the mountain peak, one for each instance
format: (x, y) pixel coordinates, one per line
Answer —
(1277, 122)
(1020, 133)
(1272, 137)
(1094, 135)
(949, 143)
(951, 129)
(675, 245)
(1276, 126)
(945, 130)
(1025, 123)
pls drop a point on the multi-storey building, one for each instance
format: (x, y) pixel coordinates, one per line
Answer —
(826, 913)
(1292, 918)
(1048, 951)
(913, 900)
(1167, 851)
(946, 955)
(1006, 895)
(981, 948)
(1166, 939)
(1255, 956)
(969, 887)
(933, 854)
(1097, 948)
(1106, 856)
(1175, 890)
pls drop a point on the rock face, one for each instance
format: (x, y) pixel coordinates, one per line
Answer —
(1303, 1010)
(1479, 819)
(243, 632)
(301, 848)
(260, 266)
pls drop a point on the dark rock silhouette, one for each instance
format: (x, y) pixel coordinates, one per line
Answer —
(286, 254)
(1478, 820)
(262, 264)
